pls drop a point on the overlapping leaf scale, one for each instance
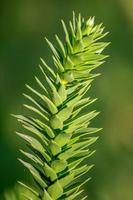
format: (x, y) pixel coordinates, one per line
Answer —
(21, 192)
(59, 137)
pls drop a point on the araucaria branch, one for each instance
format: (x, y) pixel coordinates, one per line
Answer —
(56, 130)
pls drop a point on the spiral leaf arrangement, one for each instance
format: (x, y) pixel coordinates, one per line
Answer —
(59, 133)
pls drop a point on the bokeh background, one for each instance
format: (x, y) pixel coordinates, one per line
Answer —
(23, 25)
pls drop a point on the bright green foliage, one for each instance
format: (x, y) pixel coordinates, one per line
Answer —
(19, 192)
(59, 134)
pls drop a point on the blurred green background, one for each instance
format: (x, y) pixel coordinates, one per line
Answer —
(23, 25)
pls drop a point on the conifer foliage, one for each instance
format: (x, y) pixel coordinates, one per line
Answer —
(58, 132)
